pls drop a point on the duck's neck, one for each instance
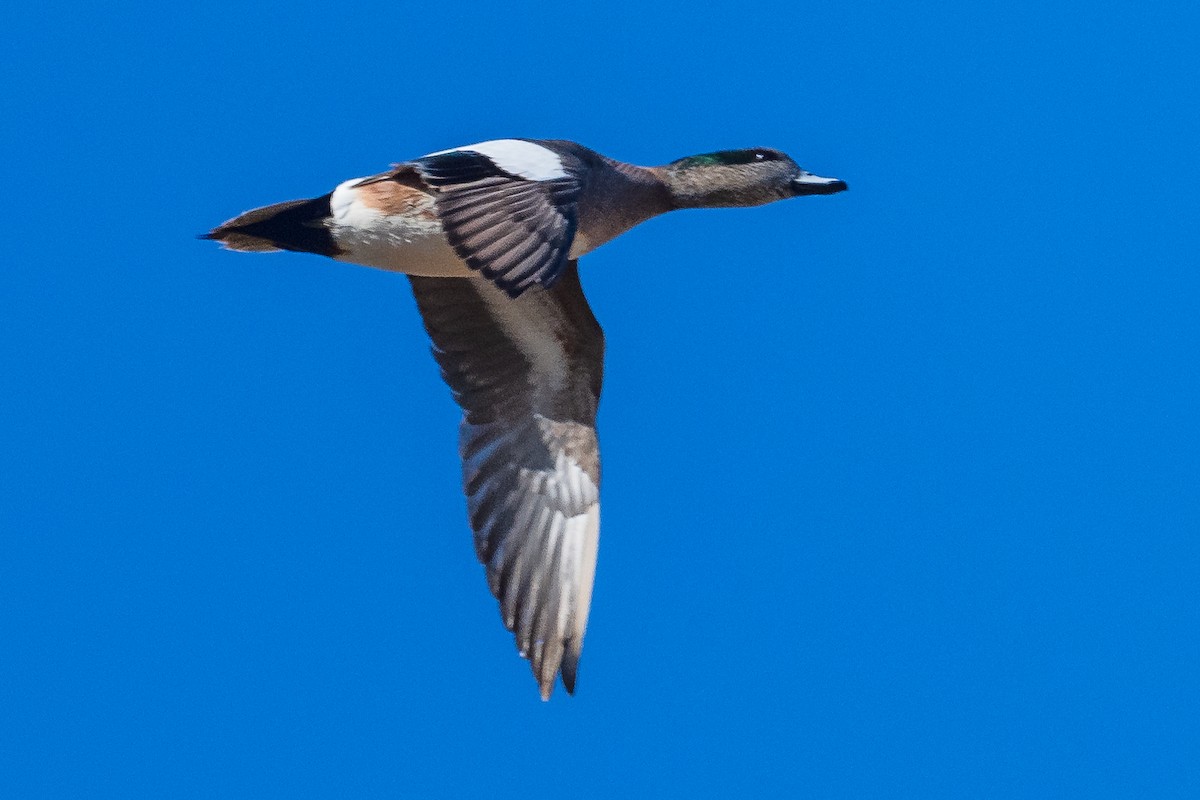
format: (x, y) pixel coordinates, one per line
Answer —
(618, 198)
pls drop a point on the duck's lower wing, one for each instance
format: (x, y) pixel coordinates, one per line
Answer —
(527, 373)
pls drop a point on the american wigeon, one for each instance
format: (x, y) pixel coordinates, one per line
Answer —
(489, 235)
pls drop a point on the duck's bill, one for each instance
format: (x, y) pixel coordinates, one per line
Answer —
(807, 183)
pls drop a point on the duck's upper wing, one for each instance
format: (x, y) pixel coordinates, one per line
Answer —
(508, 207)
(527, 373)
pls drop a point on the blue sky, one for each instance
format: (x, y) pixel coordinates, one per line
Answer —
(900, 485)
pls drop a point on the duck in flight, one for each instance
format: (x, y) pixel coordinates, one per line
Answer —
(489, 235)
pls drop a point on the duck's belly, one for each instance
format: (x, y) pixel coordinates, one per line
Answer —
(392, 227)
(399, 246)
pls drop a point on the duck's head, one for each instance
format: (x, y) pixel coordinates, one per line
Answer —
(741, 178)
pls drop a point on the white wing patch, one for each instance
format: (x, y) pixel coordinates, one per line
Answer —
(517, 157)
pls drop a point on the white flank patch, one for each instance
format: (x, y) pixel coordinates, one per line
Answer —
(346, 209)
(517, 157)
(410, 243)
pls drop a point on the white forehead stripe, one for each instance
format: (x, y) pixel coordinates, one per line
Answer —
(517, 157)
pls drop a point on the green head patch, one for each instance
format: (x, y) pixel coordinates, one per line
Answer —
(729, 158)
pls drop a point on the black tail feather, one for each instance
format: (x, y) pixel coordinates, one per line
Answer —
(297, 225)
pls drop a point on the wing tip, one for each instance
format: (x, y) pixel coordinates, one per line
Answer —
(546, 674)
(570, 666)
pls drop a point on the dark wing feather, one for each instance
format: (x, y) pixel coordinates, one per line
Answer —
(527, 372)
(515, 231)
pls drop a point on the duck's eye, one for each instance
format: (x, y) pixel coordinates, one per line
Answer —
(765, 155)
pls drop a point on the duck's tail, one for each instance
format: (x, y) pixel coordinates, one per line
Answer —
(299, 225)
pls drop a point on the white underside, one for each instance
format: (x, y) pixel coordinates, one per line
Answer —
(411, 243)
